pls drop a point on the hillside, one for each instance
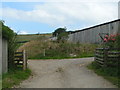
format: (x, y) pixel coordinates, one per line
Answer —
(30, 37)
(45, 49)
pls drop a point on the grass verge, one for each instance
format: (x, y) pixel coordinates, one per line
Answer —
(59, 57)
(14, 77)
(110, 74)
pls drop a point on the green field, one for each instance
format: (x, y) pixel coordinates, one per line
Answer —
(30, 37)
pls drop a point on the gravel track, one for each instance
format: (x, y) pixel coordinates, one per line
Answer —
(66, 73)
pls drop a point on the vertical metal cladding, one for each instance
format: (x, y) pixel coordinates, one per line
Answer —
(118, 27)
(91, 34)
(4, 56)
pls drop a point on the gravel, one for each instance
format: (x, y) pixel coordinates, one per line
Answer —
(65, 73)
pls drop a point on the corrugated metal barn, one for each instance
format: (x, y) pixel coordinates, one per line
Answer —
(3, 55)
(91, 34)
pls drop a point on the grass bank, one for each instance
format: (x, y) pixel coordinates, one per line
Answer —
(40, 49)
(14, 77)
(111, 74)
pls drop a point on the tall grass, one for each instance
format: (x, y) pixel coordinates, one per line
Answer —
(41, 49)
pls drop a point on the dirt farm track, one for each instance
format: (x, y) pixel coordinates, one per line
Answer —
(67, 73)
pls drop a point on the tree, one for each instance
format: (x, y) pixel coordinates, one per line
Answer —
(58, 31)
(61, 34)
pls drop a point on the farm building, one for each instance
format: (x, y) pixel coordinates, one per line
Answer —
(4, 55)
(92, 34)
(5, 36)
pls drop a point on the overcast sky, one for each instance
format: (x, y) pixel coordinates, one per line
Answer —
(44, 16)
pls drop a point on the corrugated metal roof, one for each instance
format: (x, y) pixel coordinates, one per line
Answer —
(95, 26)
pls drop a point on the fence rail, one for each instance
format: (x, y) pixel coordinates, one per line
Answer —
(107, 57)
(21, 59)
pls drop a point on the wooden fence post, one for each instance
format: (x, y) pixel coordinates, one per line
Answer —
(24, 60)
(105, 57)
(118, 60)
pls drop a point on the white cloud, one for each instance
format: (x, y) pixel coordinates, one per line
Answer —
(66, 13)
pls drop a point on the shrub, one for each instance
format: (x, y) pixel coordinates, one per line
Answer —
(117, 43)
(112, 41)
(62, 37)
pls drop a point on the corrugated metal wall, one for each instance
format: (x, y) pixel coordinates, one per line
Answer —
(4, 56)
(91, 35)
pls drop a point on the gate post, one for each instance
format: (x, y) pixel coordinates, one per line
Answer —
(24, 60)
